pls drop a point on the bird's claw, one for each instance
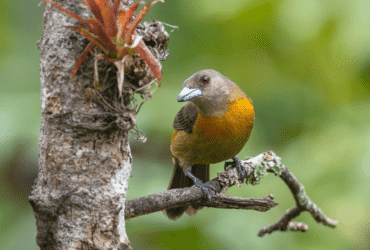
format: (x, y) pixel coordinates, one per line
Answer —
(204, 187)
(227, 165)
(240, 167)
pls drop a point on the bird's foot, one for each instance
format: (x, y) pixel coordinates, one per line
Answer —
(240, 167)
(204, 186)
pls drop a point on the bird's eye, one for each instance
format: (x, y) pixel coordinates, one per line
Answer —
(205, 79)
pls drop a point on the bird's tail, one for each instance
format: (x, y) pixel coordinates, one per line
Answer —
(180, 180)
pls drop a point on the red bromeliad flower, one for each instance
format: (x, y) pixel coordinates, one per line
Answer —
(113, 31)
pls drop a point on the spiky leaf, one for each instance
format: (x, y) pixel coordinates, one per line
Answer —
(75, 16)
(82, 58)
(102, 34)
(94, 7)
(123, 22)
(141, 15)
(108, 16)
(91, 37)
(116, 6)
(150, 59)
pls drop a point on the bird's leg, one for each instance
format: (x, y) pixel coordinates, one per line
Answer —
(240, 167)
(198, 182)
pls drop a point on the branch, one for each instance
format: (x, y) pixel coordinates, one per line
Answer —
(256, 168)
(185, 196)
(303, 203)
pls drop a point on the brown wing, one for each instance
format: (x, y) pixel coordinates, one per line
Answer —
(186, 117)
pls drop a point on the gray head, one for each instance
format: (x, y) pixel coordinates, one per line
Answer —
(209, 91)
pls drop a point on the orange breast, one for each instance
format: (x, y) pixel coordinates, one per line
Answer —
(218, 138)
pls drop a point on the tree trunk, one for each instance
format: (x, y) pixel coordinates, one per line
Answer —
(84, 153)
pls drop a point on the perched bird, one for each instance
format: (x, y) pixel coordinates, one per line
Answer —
(212, 127)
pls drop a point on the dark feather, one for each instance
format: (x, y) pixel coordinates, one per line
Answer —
(179, 180)
(186, 118)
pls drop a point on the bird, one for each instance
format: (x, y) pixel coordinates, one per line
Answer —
(212, 127)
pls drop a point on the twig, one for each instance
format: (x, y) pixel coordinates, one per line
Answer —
(303, 203)
(256, 168)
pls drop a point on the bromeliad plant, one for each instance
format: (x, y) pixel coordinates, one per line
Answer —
(113, 32)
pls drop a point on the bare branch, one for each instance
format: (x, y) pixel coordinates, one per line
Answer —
(282, 224)
(303, 202)
(256, 168)
(195, 196)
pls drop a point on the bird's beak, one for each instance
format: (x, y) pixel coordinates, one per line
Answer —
(187, 94)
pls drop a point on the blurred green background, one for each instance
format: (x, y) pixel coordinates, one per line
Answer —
(306, 66)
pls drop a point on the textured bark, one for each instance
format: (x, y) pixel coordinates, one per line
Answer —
(84, 153)
(193, 196)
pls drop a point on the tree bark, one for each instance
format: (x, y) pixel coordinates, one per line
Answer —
(84, 154)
